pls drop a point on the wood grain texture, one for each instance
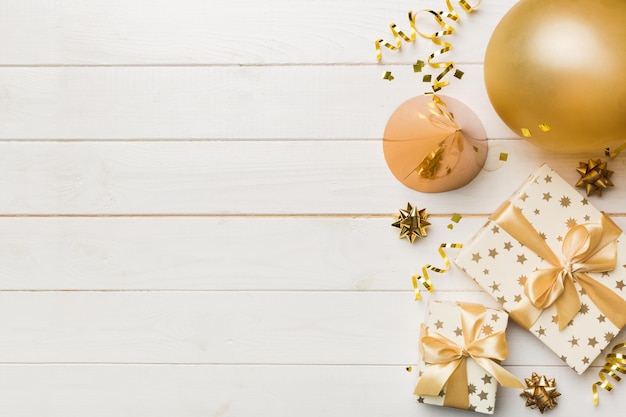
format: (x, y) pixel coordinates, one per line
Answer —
(281, 391)
(225, 254)
(218, 32)
(243, 178)
(314, 328)
(243, 102)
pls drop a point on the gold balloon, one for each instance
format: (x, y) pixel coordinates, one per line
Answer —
(433, 146)
(556, 68)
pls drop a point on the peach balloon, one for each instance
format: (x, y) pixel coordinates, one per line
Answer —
(554, 67)
(430, 151)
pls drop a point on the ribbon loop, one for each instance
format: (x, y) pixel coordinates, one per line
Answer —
(446, 358)
(590, 247)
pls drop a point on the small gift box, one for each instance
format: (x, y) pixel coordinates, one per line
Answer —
(555, 263)
(461, 346)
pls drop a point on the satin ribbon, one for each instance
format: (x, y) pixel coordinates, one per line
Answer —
(615, 362)
(590, 247)
(447, 360)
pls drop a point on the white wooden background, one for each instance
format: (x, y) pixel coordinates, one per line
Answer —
(195, 211)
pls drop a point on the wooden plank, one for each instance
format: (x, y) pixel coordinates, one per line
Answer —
(190, 102)
(316, 328)
(220, 32)
(281, 391)
(242, 178)
(250, 254)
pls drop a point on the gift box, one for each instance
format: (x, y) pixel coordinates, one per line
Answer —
(461, 346)
(556, 264)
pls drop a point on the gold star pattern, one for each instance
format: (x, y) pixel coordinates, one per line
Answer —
(565, 201)
(508, 246)
(543, 236)
(486, 379)
(608, 336)
(522, 280)
(471, 389)
(471, 408)
(540, 393)
(587, 218)
(482, 395)
(517, 298)
(571, 223)
(420, 400)
(555, 319)
(559, 238)
(490, 409)
(564, 358)
(495, 229)
(581, 291)
(595, 176)
(494, 287)
(487, 330)
(537, 211)
(547, 196)
(541, 331)
(573, 341)
(476, 257)
(412, 223)
(485, 271)
(493, 253)
(547, 178)
(501, 300)
(620, 284)
(523, 197)
(584, 308)
(592, 342)
(458, 331)
(495, 317)
(439, 324)
(585, 360)
(521, 258)
(584, 201)
(601, 318)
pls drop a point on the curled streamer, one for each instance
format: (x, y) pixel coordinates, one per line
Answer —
(446, 29)
(424, 279)
(614, 362)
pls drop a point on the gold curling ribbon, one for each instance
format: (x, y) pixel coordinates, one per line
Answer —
(435, 37)
(447, 360)
(398, 35)
(614, 362)
(424, 279)
(590, 247)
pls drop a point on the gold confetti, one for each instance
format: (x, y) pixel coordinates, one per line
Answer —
(504, 156)
(424, 279)
(614, 153)
(545, 127)
(526, 132)
(456, 217)
(459, 74)
(418, 66)
(387, 76)
(426, 78)
(409, 368)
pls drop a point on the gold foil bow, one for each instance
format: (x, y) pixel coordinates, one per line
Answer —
(590, 247)
(447, 360)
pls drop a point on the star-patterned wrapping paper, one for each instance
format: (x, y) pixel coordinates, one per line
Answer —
(445, 318)
(501, 265)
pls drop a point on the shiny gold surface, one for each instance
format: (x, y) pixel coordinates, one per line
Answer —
(559, 63)
(433, 144)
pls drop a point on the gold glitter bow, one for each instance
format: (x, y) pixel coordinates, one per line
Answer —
(541, 392)
(424, 279)
(590, 247)
(614, 362)
(594, 176)
(447, 360)
(412, 223)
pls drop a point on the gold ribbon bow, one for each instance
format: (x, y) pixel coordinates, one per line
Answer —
(447, 360)
(590, 247)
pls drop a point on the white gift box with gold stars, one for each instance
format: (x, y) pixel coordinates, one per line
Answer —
(501, 266)
(444, 317)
